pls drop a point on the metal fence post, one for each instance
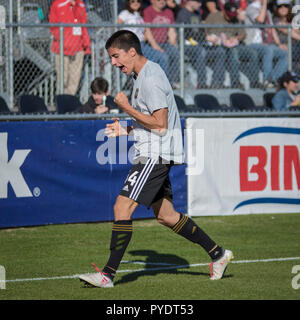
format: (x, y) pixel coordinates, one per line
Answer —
(11, 58)
(93, 57)
(61, 59)
(290, 49)
(115, 19)
(181, 64)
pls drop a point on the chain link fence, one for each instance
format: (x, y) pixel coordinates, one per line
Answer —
(209, 63)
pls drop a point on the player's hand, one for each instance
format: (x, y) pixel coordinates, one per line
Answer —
(115, 129)
(122, 101)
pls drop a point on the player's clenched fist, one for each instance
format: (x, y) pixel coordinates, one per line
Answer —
(122, 101)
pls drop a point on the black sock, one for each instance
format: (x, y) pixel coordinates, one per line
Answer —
(120, 238)
(187, 228)
(216, 253)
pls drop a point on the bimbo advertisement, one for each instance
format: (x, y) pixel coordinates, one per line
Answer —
(249, 166)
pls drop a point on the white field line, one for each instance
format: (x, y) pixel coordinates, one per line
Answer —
(166, 266)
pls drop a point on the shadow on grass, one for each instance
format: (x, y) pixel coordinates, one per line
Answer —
(157, 263)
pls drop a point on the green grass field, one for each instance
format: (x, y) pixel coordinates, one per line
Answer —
(42, 262)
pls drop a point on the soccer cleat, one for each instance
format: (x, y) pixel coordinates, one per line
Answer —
(218, 268)
(99, 279)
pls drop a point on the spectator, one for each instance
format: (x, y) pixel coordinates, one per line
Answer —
(194, 49)
(239, 56)
(165, 38)
(211, 6)
(208, 7)
(132, 15)
(288, 95)
(283, 16)
(97, 101)
(266, 42)
(174, 5)
(76, 41)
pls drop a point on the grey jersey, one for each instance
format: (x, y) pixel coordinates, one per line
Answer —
(152, 91)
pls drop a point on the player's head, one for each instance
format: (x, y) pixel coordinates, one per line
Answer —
(99, 89)
(124, 39)
(124, 49)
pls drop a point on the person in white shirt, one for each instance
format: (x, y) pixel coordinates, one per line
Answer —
(155, 122)
(132, 15)
(266, 42)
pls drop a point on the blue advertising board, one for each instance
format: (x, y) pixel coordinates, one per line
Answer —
(54, 172)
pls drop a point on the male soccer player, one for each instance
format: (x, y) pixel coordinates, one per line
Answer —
(155, 120)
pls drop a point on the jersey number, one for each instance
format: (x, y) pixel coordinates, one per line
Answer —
(132, 178)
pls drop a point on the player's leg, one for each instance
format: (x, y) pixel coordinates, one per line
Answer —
(124, 207)
(187, 228)
(120, 238)
(130, 196)
(184, 226)
(121, 233)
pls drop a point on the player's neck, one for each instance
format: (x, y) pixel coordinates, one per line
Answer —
(141, 61)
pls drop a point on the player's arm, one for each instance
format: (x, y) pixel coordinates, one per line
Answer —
(157, 121)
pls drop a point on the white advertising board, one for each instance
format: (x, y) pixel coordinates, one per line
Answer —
(243, 165)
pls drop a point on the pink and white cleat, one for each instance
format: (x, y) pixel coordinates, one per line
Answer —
(99, 279)
(218, 268)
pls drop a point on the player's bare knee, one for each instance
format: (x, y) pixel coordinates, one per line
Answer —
(168, 219)
(161, 220)
(165, 219)
(121, 213)
(123, 208)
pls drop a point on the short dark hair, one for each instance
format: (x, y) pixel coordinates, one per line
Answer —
(287, 77)
(99, 85)
(124, 39)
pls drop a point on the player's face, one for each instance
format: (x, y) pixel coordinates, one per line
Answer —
(122, 59)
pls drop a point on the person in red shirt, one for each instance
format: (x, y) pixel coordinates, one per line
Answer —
(76, 41)
(165, 39)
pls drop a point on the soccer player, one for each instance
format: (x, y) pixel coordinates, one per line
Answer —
(158, 146)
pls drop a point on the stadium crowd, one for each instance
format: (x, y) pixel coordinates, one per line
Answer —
(242, 49)
(261, 54)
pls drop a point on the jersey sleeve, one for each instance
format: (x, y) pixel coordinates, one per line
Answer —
(155, 94)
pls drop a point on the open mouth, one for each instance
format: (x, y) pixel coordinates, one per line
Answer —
(122, 68)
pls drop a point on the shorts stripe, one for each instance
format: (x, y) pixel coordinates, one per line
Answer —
(142, 179)
(136, 183)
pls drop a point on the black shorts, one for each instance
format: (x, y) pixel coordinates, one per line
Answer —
(147, 182)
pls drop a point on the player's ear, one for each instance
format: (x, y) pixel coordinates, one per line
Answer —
(132, 52)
